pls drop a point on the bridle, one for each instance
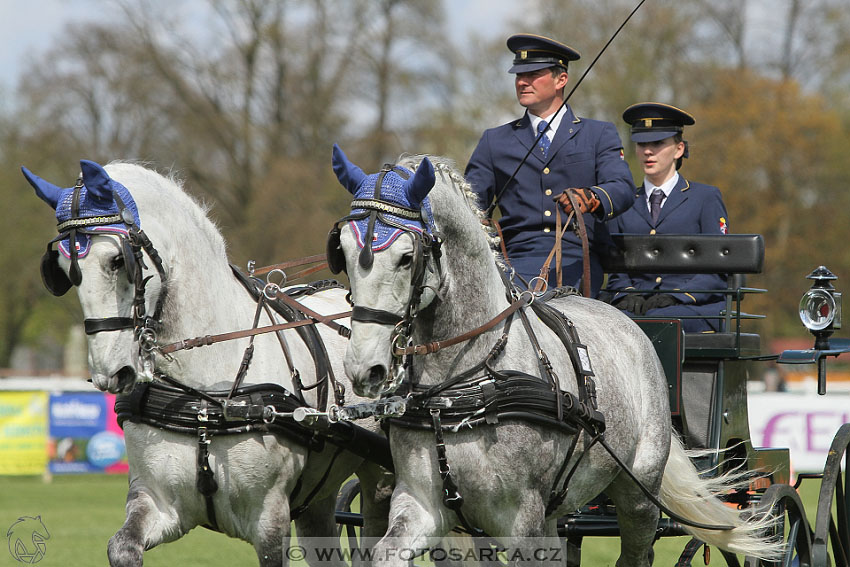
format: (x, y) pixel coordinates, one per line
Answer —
(133, 241)
(426, 257)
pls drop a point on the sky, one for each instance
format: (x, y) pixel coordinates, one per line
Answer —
(29, 27)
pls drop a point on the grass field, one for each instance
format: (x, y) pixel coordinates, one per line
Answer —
(82, 512)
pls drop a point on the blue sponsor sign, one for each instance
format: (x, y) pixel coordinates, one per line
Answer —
(79, 440)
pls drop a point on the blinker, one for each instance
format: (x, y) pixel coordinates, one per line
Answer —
(52, 276)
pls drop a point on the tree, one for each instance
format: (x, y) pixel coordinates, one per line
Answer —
(780, 178)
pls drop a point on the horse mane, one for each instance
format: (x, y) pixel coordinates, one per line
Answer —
(154, 191)
(448, 167)
(177, 224)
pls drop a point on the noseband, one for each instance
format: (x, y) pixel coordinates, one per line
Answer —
(132, 244)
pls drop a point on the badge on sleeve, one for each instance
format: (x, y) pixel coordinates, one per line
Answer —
(724, 229)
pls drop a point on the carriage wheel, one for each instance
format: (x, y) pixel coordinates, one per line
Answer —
(831, 523)
(784, 502)
(349, 491)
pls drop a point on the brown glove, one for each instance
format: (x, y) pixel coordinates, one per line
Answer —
(587, 200)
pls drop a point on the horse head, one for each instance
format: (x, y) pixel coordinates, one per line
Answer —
(96, 220)
(390, 248)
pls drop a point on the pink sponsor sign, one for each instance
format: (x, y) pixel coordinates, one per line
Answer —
(803, 423)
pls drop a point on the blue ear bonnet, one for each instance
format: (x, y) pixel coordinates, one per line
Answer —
(392, 191)
(93, 207)
(99, 198)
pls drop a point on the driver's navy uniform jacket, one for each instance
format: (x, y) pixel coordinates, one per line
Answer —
(691, 208)
(584, 153)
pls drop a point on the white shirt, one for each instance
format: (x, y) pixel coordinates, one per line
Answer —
(553, 120)
(666, 187)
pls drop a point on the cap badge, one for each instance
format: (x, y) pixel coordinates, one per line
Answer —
(647, 122)
(523, 54)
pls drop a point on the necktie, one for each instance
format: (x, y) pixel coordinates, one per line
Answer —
(544, 139)
(655, 204)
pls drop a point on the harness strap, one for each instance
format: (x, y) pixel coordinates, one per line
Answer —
(379, 316)
(297, 511)
(206, 483)
(293, 372)
(93, 326)
(556, 498)
(327, 320)
(74, 273)
(452, 498)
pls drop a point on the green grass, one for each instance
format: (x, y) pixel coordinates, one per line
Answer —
(82, 512)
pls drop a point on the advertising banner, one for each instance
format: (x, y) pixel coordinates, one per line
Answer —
(803, 423)
(23, 432)
(84, 434)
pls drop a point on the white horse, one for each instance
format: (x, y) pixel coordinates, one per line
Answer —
(509, 470)
(256, 473)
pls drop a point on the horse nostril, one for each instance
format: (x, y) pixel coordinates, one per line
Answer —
(377, 373)
(126, 378)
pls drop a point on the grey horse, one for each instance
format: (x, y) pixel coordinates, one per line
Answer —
(504, 471)
(256, 472)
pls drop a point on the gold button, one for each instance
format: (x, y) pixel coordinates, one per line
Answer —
(652, 231)
(547, 213)
(548, 191)
(545, 171)
(658, 279)
(547, 229)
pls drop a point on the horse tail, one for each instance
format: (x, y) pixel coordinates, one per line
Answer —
(689, 495)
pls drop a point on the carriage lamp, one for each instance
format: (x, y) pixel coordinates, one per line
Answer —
(820, 312)
(820, 307)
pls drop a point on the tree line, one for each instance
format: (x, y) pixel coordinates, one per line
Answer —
(243, 99)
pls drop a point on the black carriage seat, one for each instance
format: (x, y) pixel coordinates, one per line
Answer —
(731, 254)
(707, 372)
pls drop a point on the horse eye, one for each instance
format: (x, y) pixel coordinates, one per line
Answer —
(406, 260)
(117, 262)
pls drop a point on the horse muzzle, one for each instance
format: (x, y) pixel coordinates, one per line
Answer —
(121, 382)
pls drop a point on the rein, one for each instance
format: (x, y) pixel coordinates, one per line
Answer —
(252, 271)
(432, 347)
(543, 278)
(207, 340)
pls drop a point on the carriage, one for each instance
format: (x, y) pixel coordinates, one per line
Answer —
(703, 396)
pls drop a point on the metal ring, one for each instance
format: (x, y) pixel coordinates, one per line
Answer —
(530, 294)
(271, 288)
(282, 281)
(531, 287)
(147, 340)
(269, 414)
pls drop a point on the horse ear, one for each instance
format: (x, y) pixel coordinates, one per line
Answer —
(349, 175)
(96, 180)
(421, 183)
(46, 191)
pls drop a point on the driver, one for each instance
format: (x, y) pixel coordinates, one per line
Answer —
(581, 155)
